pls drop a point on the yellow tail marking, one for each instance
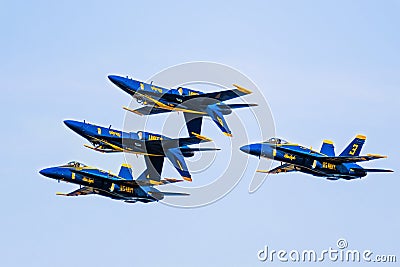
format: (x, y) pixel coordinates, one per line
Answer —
(242, 89)
(360, 136)
(201, 137)
(187, 179)
(220, 121)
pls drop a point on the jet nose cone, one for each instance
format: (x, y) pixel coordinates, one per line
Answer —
(245, 149)
(115, 79)
(48, 172)
(74, 125)
(253, 149)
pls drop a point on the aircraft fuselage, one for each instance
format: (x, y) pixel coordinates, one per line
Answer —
(101, 186)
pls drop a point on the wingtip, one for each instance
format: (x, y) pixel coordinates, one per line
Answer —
(133, 111)
(361, 136)
(263, 171)
(187, 179)
(242, 89)
(328, 142)
(60, 194)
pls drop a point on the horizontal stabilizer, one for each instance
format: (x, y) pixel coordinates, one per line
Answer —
(79, 192)
(328, 148)
(373, 170)
(225, 95)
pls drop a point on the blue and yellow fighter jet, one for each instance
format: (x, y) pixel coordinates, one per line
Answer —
(194, 104)
(153, 146)
(119, 187)
(322, 164)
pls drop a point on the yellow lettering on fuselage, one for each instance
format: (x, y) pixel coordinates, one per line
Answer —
(127, 189)
(156, 89)
(291, 157)
(327, 165)
(193, 93)
(115, 133)
(353, 150)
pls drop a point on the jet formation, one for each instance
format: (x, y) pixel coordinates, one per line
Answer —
(194, 104)
(156, 147)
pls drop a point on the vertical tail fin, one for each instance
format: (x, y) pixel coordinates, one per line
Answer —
(328, 148)
(193, 123)
(214, 112)
(126, 172)
(354, 148)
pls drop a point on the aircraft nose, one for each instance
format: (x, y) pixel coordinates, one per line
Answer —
(76, 126)
(253, 149)
(245, 149)
(115, 79)
(49, 172)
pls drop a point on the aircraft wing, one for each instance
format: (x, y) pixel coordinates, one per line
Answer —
(104, 147)
(193, 123)
(226, 94)
(147, 110)
(283, 168)
(149, 182)
(351, 159)
(160, 105)
(86, 190)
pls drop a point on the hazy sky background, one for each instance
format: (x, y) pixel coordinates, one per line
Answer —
(329, 69)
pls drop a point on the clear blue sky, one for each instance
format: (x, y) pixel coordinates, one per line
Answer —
(330, 69)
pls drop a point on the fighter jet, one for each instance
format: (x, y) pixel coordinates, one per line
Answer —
(322, 164)
(153, 146)
(119, 187)
(194, 104)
